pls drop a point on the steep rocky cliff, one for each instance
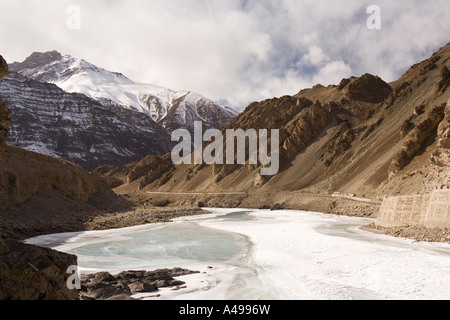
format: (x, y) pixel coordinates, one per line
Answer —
(32, 273)
(5, 120)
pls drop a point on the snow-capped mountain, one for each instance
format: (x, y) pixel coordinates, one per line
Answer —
(74, 127)
(69, 108)
(79, 76)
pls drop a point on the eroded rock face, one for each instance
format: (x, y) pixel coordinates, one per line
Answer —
(5, 120)
(32, 273)
(3, 67)
(151, 169)
(24, 174)
(308, 124)
(367, 88)
(444, 129)
(441, 156)
(416, 139)
(36, 60)
(444, 80)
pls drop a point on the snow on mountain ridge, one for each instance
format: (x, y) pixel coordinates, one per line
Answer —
(79, 76)
(74, 127)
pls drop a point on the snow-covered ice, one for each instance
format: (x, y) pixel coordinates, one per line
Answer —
(269, 255)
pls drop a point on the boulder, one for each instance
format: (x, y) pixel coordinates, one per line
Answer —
(29, 272)
(140, 287)
(104, 286)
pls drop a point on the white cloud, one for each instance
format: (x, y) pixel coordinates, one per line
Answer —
(314, 57)
(239, 50)
(333, 73)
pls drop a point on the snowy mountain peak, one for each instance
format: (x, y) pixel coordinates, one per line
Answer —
(36, 60)
(59, 70)
(111, 88)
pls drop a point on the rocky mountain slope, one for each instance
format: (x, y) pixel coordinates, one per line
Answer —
(74, 127)
(133, 119)
(362, 136)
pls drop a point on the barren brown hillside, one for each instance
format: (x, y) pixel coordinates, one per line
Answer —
(362, 136)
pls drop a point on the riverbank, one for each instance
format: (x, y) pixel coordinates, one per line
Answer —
(139, 208)
(140, 216)
(417, 233)
(286, 200)
(337, 204)
(20, 223)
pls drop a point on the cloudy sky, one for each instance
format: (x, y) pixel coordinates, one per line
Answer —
(234, 50)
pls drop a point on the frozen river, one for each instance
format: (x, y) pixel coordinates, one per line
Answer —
(261, 254)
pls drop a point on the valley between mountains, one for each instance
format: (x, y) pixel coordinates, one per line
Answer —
(83, 148)
(362, 137)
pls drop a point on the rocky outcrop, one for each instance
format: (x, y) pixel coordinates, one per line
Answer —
(104, 286)
(444, 80)
(36, 60)
(342, 143)
(3, 67)
(416, 139)
(367, 88)
(32, 273)
(143, 172)
(5, 120)
(441, 156)
(24, 174)
(305, 127)
(151, 169)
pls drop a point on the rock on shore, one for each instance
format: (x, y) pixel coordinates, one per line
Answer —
(104, 286)
(32, 273)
